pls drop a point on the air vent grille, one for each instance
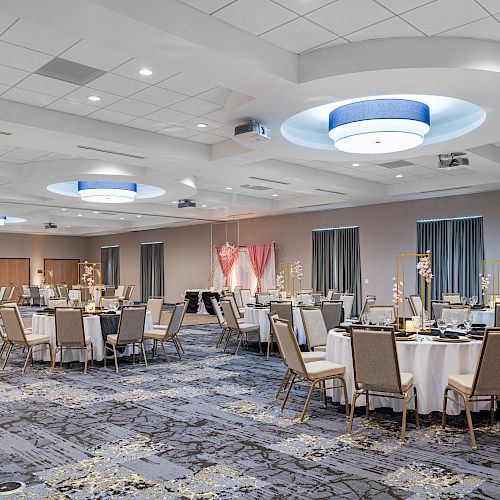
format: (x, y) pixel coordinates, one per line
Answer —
(88, 148)
(315, 206)
(396, 164)
(329, 191)
(445, 190)
(69, 71)
(269, 180)
(256, 188)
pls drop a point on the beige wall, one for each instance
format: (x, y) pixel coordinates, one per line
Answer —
(385, 231)
(38, 247)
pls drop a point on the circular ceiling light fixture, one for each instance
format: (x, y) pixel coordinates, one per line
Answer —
(10, 220)
(379, 126)
(94, 98)
(107, 191)
(145, 72)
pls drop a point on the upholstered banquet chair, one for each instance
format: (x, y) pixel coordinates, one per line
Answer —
(70, 334)
(308, 357)
(376, 370)
(237, 296)
(437, 308)
(307, 291)
(238, 312)
(35, 295)
(348, 301)
(483, 385)
(304, 298)
(18, 337)
(126, 298)
(246, 295)
(314, 328)
(2, 293)
(130, 332)
(63, 291)
(283, 310)
(315, 372)
(460, 312)
(240, 329)
(155, 307)
(379, 314)
(416, 306)
(452, 298)
(53, 303)
(109, 291)
(27, 329)
(329, 295)
(220, 319)
(333, 313)
(369, 302)
(161, 334)
(120, 291)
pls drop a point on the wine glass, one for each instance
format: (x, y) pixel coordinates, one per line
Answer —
(473, 300)
(365, 319)
(467, 323)
(417, 324)
(464, 300)
(454, 321)
(442, 325)
(389, 318)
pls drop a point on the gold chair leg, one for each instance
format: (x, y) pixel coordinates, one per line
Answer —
(269, 342)
(144, 354)
(51, 358)
(3, 348)
(308, 400)
(284, 382)
(239, 344)
(469, 422)
(492, 411)
(353, 408)
(367, 411)
(133, 354)
(92, 354)
(229, 334)
(445, 405)
(405, 411)
(116, 358)
(30, 352)
(260, 344)
(417, 417)
(105, 354)
(346, 400)
(61, 363)
(9, 350)
(288, 392)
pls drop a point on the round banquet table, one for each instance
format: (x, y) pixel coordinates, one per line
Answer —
(43, 324)
(430, 363)
(259, 316)
(486, 316)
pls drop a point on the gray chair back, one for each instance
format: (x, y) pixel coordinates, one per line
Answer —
(129, 292)
(314, 327)
(487, 376)
(109, 291)
(333, 313)
(63, 291)
(437, 308)
(233, 305)
(177, 317)
(35, 292)
(369, 302)
(245, 294)
(375, 360)
(229, 314)
(14, 329)
(284, 310)
(452, 298)
(416, 305)
(218, 311)
(289, 346)
(131, 326)
(460, 312)
(155, 307)
(69, 327)
(52, 303)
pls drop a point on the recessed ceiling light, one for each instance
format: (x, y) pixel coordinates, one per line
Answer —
(139, 216)
(93, 98)
(174, 203)
(275, 195)
(229, 188)
(398, 176)
(355, 164)
(122, 218)
(68, 226)
(96, 212)
(201, 125)
(80, 215)
(64, 209)
(203, 206)
(145, 72)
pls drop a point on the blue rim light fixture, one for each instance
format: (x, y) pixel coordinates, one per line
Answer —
(107, 191)
(3, 220)
(379, 126)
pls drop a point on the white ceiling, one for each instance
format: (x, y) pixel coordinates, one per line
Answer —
(213, 61)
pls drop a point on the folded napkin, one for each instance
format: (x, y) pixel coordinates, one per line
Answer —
(477, 306)
(401, 334)
(478, 325)
(449, 335)
(477, 332)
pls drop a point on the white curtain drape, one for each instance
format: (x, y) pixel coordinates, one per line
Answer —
(243, 275)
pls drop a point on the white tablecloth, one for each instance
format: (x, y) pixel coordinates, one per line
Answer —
(430, 362)
(486, 317)
(74, 295)
(259, 316)
(45, 325)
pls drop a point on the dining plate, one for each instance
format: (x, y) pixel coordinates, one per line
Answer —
(452, 341)
(406, 339)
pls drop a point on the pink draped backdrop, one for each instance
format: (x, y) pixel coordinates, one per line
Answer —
(226, 265)
(258, 255)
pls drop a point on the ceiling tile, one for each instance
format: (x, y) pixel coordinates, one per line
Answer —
(169, 116)
(255, 16)
(485, 28)
(443, 15)
(27, 97)
(130, 69)
(5, 148)
(337, 41)
(5, 21)
(207, 138)
(72, 107)
(218, 116)
(38, 37)
(46, 85)
(3, 88)
(26, 154)
(303, 6)
(195, 106)
(218, 95)
(207, 6)
(11, 76)
(21, 58)
(186, 84)
(82, 94)
(180, 132)
(493, 6)
(95, 56)
(149, 125)
(399, 6)
(116, 84)
(133, 107)
(346, 16)
(107, 115)
(158, 96)
(390, 28)
(299, 35)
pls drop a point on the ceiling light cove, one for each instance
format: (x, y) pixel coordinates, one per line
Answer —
(383, 124)
(10, 220)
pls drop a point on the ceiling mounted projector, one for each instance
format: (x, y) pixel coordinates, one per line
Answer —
(452, 160)
(186, 204)
(253, 131)
(49, 225)
(379, 126)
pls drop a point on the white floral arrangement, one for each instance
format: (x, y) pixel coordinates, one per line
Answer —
(228, 251)
(297, 268)
(485, 283)
(396, 292)
(424, 267)
(88, 279)
(280, 282)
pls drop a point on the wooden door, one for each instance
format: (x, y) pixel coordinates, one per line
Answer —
(14, 272)
(65, 271)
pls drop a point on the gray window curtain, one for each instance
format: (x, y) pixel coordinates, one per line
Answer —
(457, 254)
(337, 262)
(110, 261)
(151, 270)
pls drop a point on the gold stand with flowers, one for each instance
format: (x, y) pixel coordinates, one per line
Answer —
(89, 279)
(399, 296)
(491, 276)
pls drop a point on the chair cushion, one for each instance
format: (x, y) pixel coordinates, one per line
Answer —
(406, 381)
(462, 383)
(320, 348)
(160, 327)
(112, 338)
(36, 339)
(322, 369)
(155, 334)
(309, 357)
(248, 327)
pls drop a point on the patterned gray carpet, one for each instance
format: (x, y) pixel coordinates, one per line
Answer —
(209, 427)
